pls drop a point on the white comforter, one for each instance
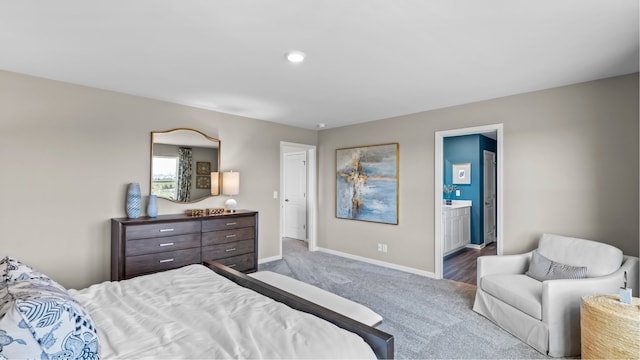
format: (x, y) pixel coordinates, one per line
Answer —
(193, 312)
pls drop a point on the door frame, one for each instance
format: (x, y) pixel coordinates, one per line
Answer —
(438, 181)
(312, 194)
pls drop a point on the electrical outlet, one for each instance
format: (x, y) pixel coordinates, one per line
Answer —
(379, 247)
(457, 192)
(384, 248)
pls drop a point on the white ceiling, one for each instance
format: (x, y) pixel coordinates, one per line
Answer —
(366, 59)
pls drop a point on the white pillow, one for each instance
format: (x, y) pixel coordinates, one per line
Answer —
(600, 259)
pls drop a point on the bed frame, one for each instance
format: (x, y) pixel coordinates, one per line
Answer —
(380, 341)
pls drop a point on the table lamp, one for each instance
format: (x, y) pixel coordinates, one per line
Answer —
(230, 186)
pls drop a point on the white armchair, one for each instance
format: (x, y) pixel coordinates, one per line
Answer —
(546, 314)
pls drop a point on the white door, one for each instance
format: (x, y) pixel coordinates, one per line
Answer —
(295, 195)
(489, 197)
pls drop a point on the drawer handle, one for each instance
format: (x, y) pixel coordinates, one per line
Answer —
(232, 265)
(167, 244)
(166, 230)
(230, 249)
(166, 261)
(232, 235)
(233, 223)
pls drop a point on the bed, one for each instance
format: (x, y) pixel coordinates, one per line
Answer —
(195, 311)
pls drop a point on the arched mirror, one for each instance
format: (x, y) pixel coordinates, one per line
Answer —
(184, 165)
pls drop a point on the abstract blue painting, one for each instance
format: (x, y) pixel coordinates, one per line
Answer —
(367, 183)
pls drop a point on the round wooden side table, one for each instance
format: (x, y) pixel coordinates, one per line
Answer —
(609, 329)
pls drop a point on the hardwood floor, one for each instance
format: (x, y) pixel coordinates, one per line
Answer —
(462, 265)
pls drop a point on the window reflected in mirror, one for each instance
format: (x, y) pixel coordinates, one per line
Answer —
(182, 161)
(165, 176)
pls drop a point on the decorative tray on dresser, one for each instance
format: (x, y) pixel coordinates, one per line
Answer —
(148, 245)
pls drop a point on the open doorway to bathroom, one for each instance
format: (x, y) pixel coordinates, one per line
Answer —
(468, 163)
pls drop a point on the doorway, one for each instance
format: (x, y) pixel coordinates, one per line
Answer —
(439, 206)
(298, 191)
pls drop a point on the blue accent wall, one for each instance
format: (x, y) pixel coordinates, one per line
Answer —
(469, 149)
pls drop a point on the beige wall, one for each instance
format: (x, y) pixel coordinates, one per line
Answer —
(68, 153)
(570, 167)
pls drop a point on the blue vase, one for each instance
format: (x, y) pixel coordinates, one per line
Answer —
(152, 206)
(134, 201)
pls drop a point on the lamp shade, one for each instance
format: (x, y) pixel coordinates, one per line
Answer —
(230, 183)
(215, 181)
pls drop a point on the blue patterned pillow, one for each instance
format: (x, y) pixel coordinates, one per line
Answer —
(16, 339)
(39, 320)
(13, 270)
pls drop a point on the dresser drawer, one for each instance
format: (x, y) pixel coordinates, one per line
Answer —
(224, 224)
(239, 263)
(215, 252)
(137, 265)
(162, 244)
(163, 229)
(222, 237)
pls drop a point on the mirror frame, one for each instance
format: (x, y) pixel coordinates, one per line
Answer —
(151, 163)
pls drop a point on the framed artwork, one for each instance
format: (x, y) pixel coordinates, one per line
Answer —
(367, 183)
(461, 173)
(203, 182)
(203, 168)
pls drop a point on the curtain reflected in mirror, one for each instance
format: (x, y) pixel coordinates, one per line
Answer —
(185, 163)
(182, 161)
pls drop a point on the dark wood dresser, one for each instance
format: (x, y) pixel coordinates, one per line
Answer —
(148, 245)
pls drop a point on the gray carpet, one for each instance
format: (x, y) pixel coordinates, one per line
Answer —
(428, 318)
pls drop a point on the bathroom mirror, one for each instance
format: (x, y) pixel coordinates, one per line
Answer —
(182, 163)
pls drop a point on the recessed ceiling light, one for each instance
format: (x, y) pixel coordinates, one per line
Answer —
(295, 56)
(321, 125)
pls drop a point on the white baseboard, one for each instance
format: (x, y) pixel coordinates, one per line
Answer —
(475, 246)
(379, 263)
(270, 259)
